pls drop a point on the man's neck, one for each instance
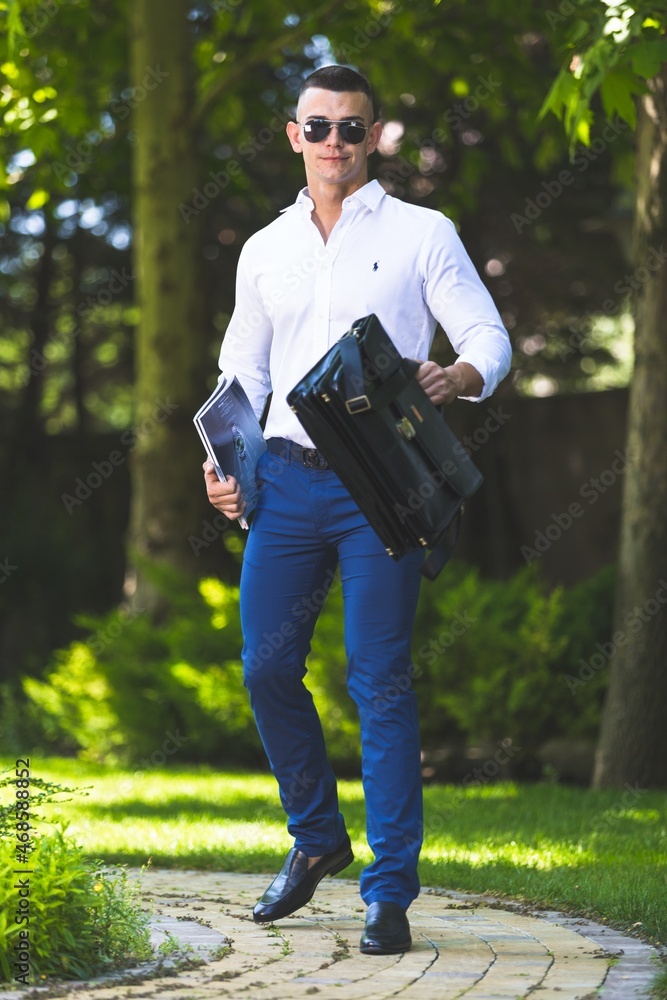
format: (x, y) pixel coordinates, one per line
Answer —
(328, 200)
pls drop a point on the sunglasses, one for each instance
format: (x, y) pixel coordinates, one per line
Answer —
(317, 129)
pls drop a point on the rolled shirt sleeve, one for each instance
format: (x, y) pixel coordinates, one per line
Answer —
(460, 302)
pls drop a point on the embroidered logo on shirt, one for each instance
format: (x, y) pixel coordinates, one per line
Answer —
(375, 265)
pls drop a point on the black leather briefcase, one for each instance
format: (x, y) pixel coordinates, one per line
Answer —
(391, 447)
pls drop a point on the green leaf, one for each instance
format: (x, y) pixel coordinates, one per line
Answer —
(648, 57)
(561, 93)
(580, 30)
(617, 91)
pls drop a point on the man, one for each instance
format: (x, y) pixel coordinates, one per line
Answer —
(343, 250)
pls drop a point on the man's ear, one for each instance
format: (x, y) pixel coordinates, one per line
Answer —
(374, 134)
(294, 135)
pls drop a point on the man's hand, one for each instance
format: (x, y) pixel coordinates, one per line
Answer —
(442, 385)
(225, 497)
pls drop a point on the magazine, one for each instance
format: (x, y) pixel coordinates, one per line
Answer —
(232, 438)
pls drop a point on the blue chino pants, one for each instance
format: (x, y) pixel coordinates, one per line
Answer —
(305, 524)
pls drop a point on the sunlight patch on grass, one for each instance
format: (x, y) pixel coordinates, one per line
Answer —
(182, 839)
(500, 790)
(520, 855)
(637, 815)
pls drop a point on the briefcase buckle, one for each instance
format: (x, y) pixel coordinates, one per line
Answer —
(358, 404)
(406, 429)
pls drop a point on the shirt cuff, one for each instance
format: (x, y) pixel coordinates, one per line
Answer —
(491, 370)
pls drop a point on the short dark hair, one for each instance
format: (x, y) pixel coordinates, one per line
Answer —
(341, 79)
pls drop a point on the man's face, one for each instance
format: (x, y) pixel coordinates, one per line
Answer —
(334, 161)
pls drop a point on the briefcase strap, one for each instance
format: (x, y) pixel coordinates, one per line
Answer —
(356, 399)
(442, 552)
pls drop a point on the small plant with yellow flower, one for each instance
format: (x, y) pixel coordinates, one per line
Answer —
(83, 917)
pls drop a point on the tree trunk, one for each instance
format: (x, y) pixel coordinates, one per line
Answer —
(171, 345)
(633, 739)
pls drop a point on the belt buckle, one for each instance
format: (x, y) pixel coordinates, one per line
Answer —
(312, 459)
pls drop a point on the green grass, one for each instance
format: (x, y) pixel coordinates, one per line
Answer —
(601, 854)
(659, 986)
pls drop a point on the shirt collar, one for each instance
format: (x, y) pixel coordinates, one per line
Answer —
(370, 195)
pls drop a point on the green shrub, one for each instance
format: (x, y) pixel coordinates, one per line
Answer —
(81, 918)
(491, 661)
(492, 657)
(84, 918)
(136, 691)
(588, 610)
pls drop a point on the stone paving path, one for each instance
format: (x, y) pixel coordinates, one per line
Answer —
(463, 947)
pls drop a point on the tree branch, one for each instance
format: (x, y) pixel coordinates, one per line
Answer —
(227, 80)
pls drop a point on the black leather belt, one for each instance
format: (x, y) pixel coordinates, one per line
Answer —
(311, 458)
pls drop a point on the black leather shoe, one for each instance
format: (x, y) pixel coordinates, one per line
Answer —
(294, 886)
(387, 930)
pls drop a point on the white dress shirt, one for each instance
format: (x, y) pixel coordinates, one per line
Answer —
(297, 295)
